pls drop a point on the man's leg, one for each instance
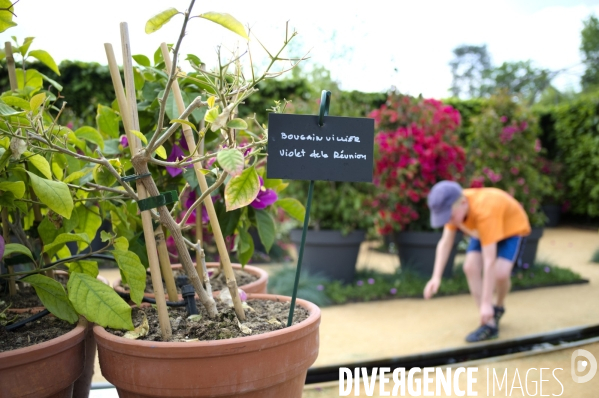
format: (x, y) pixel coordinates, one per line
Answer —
(473, 268)
(503, 282)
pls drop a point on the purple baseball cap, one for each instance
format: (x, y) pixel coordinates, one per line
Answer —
(440, 199)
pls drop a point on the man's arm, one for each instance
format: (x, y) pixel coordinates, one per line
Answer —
(441, 256)
(489, 253)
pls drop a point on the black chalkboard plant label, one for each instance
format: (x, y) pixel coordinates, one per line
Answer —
(339, 150)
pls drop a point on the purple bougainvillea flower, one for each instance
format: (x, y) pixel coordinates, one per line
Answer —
(370, 281)
(2, 245)
(191, 198)
(393, 291)
(124, 141)
(320, 288)
(176, 155)
(360, 283)
(547, 270)
(266, 197)
(525, 266)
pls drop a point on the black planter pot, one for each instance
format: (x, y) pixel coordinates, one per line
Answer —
(329, 253)
(553, 213)
(417, 252)
(530, 246)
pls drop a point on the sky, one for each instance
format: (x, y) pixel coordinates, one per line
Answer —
(367, 46)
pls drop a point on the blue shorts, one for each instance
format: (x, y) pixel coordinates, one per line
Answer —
(509, 248)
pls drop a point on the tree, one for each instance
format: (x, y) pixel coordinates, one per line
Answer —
(468, 68)
(589, 47)
(518, 78)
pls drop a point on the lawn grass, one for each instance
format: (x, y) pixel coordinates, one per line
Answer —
(370, 285)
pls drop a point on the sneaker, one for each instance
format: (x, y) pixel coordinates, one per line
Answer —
(498, 313)
(484, 332)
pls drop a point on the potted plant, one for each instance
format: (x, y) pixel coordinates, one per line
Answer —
(504, 153)
(553, 200)
(338, 226)
(416, 146)
(77, 183)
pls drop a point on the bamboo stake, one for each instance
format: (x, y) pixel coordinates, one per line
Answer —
(218, 235)
(165, 265)
(10, 64)
(200, 256)
(146, 217)
(12, 77)
(12, 286)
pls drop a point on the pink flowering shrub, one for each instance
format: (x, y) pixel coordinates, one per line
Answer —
(505, 153)
(416, 146)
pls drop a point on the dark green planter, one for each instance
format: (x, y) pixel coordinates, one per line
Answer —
(329, 253)
(417, 252)
(531, 245)
(553, 213)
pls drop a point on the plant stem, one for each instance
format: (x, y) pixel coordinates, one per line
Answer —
(12, 287)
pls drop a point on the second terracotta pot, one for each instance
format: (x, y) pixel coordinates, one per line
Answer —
(258, 286)
(45, 370)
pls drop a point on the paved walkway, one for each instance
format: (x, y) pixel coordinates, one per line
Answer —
(365, 331)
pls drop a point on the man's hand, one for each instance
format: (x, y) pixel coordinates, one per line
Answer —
(486, 313)
(431, 288)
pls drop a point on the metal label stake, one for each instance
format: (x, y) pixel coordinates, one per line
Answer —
(325, 102)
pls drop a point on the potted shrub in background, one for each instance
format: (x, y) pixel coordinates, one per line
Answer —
(504, 153)
(339, 222)
(553, 200)
(416, 146)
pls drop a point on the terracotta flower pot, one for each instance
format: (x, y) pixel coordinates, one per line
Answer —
(272, 364)
(45, 370)
(258, 286)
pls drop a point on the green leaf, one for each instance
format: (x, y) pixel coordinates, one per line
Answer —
(133, 271)
(31, 78)
(16, 101)
(293, 207)
(98, 302)
(46, 59)
(237, 124)
(77, 175)
(7, 199)
(11, 248)
(90, 134)
(62, 239)
(158, 20)
(105, 236)
(160, 151)
(17, 188)
(25, 46)
(5, 15)
(36, 101)
(139, 135)
(54, 194)
(226, 21)
(6, 110)
(40, 163)
(242, 190)
(231, 160)
(84, 267)
(53, 296)
(47, 231)
(228, 220)
(141, 60)
(138, 79)
(89, 221)
(121, 243)
(185, 122)
(211, 115)
(247, 254)
(102, 176)
(266, 228)
(108, 121)
(54, 83)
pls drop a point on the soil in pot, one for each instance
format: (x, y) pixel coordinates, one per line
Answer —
(218, 283)
(262, 316)
(39, 331)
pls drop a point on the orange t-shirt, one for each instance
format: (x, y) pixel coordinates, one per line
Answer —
(493, 215)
